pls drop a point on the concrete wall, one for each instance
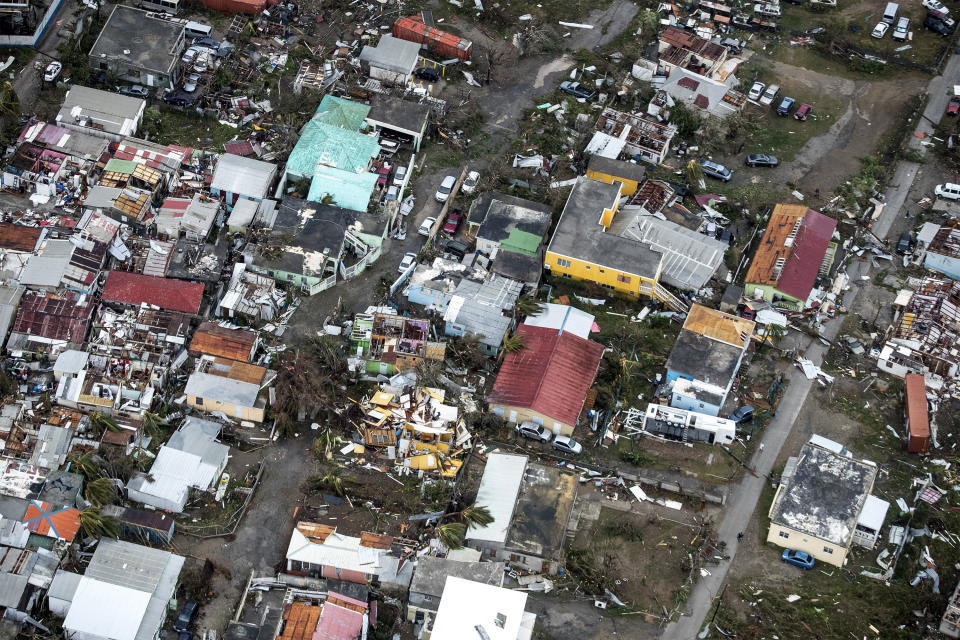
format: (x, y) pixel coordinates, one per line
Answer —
(517, 415)
(255, 414)
(820, 549)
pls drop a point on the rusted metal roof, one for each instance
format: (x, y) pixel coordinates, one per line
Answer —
(719, 326)
(16, 237)
(166, 293)
(213, 340)
(54, 317)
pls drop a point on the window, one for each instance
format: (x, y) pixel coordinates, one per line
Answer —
(828, 550)
(784, 534)
(602, 271)
(567, 276)
(103, 65)
(563, 263)
(587, 267)
(200, 401)
(607, 286)
(538, 420)
(623, 279)
(498, 411)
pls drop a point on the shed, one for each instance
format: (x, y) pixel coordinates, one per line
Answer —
(917, 416)
(392, 60)
(243, 214)
(239, 177)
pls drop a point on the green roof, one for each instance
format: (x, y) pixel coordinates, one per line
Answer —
(522, 242)
(348, 190)
(338, 112)
(323, 144)
(120, 166)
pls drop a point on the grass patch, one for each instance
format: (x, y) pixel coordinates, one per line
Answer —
(186, 129)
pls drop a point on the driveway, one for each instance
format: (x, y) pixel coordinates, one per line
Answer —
(745, 496)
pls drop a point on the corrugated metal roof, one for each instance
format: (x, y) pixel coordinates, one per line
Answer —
(218, 388)
(810, 247)
(213, 340)
(243, 176)
(550, 376)
(392, 54)
(916, 400)
(498, 492)
(348, 190)
(17, 237)
(339, 112)
(331, 146)
(689, 258)
(562, 317)
(339, 623)
(166, 293)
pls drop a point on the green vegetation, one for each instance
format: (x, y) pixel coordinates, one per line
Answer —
(185, 128)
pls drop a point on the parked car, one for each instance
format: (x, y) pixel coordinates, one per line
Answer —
(453, 221)
(762, 160)
(903, 244)
(742, 415)
(134, 91)
(567, 445)
(207, 42)
(408, 259)
(942, 16)
(178, 98)
(769, 95)
(953, 107)
(716, 170)
(190, 55)
(880, 30)
(947, 190)
(399, 174)
(853, 345)
(935, 24)
(534, 431)
(430, 74)
(800, 559)
(443, 191)
(785, 106)
(803, 111)
(470, 184)
(577, 90)
(756, 90)
(185, 618)
(53, 70)
(456, 249)
(935, 5)
(900, 31)
(190, 82)
(427, 225)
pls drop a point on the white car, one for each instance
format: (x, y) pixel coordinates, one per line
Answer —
(408, 259)
(567, 445)
(756, 90)
(190, 82)
(53, 70)
(189, 55)
(427, 225)
(935, 5)
(399, 175)
(470, 184)
(443, 192)
(880, 30)
(948, 190)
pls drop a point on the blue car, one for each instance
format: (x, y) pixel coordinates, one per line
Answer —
(800, 559)
(785, 106)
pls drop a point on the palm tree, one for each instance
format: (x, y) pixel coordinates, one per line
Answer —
(477, 515)
(451, 534)
(152, 423)
(100, 492)
(104, 422)
(527, 306)
(513, 344)
(94, 524)
(333, 480)
(87, 464)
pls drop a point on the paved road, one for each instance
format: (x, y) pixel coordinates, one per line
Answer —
(746, 495)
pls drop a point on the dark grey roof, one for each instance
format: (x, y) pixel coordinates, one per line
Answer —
(580, 236)
(543, 508)
(324, 229)
(498, 214)
(825, 496)
(431, 574)
(404, 114)
(350, 589)
(138, 40)
(704, 359)
(616, 168)
(518, 266)
(241, 631)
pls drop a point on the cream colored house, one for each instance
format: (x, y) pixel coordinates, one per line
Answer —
(819, 502)
(235, 398)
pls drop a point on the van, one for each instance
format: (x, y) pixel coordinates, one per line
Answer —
(900, 31)
(769, 95)
(890, 13)
(197, 30)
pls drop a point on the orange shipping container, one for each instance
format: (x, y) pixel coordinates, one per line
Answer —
(440, 42)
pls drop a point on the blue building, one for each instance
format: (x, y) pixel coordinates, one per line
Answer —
(705, 359)
(943, 252)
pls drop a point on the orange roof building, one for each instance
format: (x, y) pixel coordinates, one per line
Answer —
(211, 339)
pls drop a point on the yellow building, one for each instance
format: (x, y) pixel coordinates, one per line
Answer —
(582, 248)
(236, 398)
(629, 174)
(819, 503)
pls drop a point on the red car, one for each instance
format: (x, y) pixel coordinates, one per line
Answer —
(453, 221)
(802, 112)
(953, 108)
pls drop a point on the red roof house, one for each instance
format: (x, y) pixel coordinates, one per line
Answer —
(166, 293)
(809, 249)
(547, 382)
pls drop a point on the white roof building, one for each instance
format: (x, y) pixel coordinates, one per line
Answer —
(125, 593)
(498, 491)
(101, 112)
(563, 318)
(244, 177)
(192, 458)
(467, 606)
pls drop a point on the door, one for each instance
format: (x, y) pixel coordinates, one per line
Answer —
(513, 416)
